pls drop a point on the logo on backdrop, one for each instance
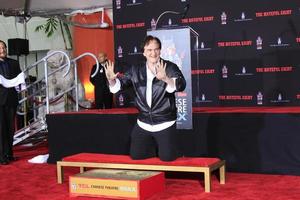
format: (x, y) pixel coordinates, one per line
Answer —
(280, 43)
(203, 71)
(169, 24)
(203, 46)
(274, 69)
(135, 51)
(280, 99)
(259, 42)
(259, 98)
(234, 43)
(133, 3)
(131, 25)
(274, 13)
(153, 24)
(223, 18)
(235, 97)
(244, 72)
(120, 52)
(224, 72)
(202, 99)
(197, 19)
(118, 4)
(243, 18)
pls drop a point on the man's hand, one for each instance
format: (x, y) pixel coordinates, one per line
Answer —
(162, 75)
(161, 71)
(109, 72)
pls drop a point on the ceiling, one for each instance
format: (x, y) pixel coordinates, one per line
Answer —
(44, 8)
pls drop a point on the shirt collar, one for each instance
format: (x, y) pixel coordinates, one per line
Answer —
(149, 72)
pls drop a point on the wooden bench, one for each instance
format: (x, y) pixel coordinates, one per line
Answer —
(108, 161)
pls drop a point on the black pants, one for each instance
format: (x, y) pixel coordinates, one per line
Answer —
(145, 144)
(7, 119)
(103, 99)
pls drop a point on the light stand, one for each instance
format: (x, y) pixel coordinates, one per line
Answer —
(185, 10)
(162, 14)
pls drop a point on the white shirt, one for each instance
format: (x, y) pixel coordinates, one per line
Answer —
(148, 127)
(9, 83)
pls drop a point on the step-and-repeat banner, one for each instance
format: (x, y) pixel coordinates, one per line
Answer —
(247, 52)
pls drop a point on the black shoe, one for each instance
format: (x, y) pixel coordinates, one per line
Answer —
(11, 158)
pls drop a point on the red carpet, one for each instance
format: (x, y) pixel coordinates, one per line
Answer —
(24, 181)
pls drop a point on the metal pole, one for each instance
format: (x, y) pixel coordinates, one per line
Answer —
(47, 88)
(76, 86)
(36, 88)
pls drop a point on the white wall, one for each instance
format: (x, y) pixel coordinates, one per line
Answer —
(39, 44)
(10, 28)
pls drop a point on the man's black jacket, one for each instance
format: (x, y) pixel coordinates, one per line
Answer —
(9, 96)
(163, 106)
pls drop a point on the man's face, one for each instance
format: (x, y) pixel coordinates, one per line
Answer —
(101, 58)
(3, 51)
(152, 52)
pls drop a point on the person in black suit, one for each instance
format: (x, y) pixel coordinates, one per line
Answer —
(103, 97)
(154, 82)
(9, 69)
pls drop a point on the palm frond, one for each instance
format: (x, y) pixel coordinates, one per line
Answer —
(51, 26)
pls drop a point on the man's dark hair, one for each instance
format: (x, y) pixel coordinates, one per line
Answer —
(148, 39)
(3, 43)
